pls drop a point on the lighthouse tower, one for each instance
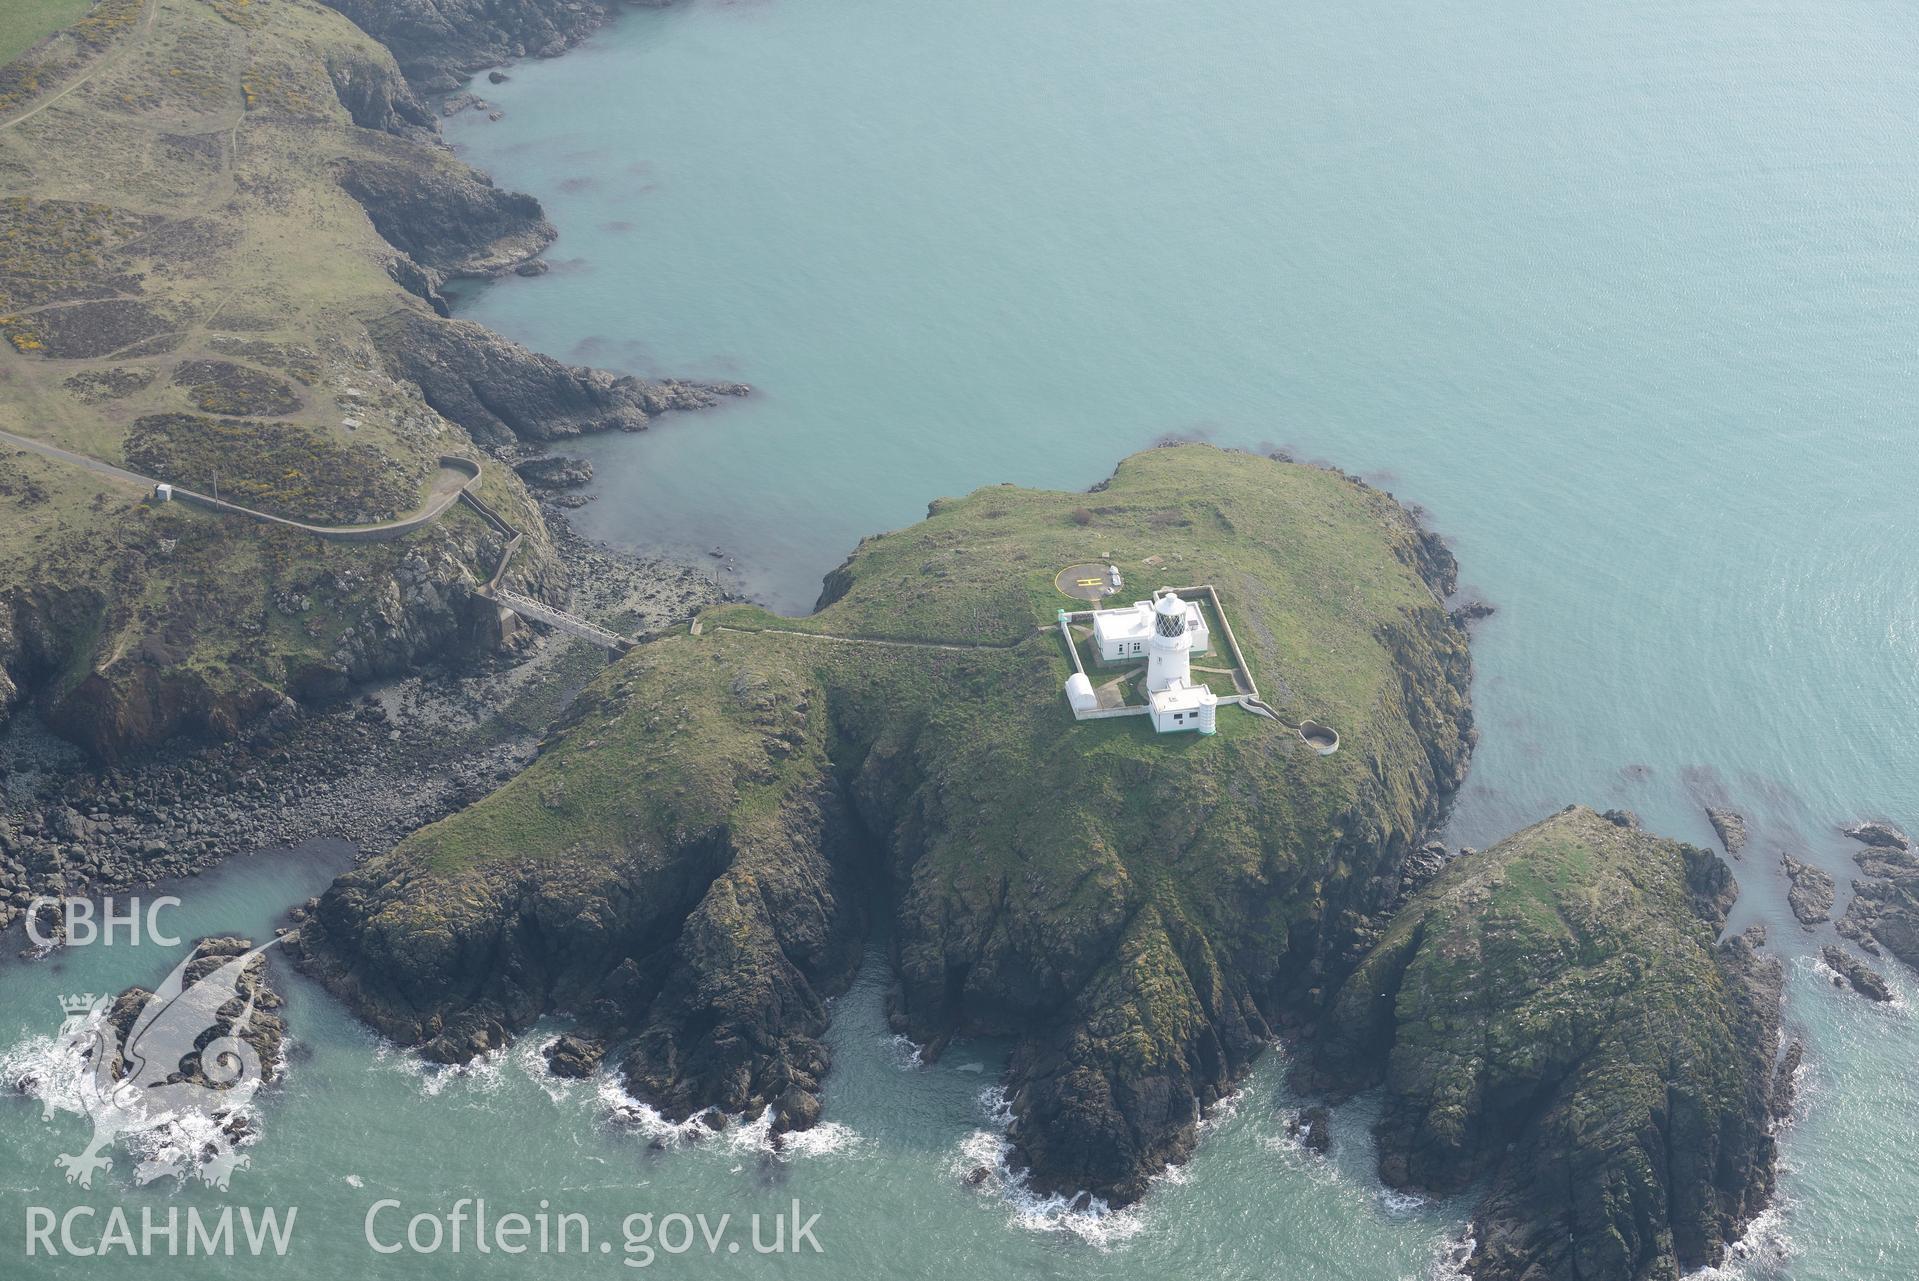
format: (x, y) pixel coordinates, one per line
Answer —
(1169, 651)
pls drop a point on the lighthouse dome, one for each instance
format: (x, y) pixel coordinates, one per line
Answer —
(1169, 616)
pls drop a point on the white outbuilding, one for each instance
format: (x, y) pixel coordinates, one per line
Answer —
(1122, 635)
(1079, 693)
(1184, 706)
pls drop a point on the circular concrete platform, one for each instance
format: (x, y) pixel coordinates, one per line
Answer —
(1323, 739)
(1085, 582)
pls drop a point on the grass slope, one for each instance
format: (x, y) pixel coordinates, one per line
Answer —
(25, 23)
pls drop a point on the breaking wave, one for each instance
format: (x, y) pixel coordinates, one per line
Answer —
(739, 1136)
(982, 1160)
(57, 1071)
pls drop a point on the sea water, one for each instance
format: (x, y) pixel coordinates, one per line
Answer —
(1622, 295)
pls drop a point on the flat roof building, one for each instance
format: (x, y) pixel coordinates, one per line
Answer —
(1124, 634)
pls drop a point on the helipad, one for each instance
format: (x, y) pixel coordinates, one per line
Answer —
(1092, 581)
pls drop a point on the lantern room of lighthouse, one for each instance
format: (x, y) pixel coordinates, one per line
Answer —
(1169, 650)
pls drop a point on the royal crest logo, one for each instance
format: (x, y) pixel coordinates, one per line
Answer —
(180, 1071)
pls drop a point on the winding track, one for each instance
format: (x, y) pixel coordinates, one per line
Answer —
(113, 59)
(454, 477)
(954, 646)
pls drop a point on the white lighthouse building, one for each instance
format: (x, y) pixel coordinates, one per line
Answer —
(1177, 703)
(1166, 632)
(1169, 649)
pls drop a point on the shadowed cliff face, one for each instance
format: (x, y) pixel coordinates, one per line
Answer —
(1137, 911)
(1554, 1016)
(439, 42)
(501, 392)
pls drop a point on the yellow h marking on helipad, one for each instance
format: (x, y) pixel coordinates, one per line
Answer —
(1088, 582)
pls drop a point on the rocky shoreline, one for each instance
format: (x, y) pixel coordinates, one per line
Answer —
(368, 771)
(439, 43)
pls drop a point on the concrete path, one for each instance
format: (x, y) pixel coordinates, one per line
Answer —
(454, 476)
(957, 648)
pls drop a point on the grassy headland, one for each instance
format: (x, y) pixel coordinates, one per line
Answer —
(689, 860)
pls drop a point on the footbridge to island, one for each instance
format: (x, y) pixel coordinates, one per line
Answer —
(526, 606)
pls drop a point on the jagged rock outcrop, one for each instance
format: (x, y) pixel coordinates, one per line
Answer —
(449, 219)
(264, 1030)
(574, 1057)
(375, 94)
(404, 604)
(1138, 912)
(1810, 891)
(1730, 828)
(1313, 1128)
(500, 392)
(41, 629)
(1878, 833)
(440, 42)
(1554, 1017)
(1855, 973)
(554, 471)
(1884, 911)
(706, 938)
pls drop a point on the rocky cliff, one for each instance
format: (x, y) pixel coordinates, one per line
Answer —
(242, 275)
(1554, 1020)
(440, 42)
(687, 866)
(501, 392)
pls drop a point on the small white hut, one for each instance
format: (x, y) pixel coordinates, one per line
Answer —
(1184, 706)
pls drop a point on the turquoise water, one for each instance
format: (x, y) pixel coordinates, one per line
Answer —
(1623, 295)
